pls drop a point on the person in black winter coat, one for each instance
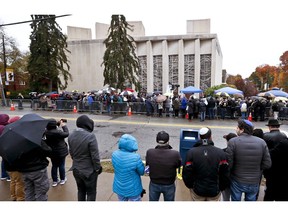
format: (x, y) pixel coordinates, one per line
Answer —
(205, 170)
(55, 138)
(163, 162)
(86, 166)
(276, 176)
(33, 166)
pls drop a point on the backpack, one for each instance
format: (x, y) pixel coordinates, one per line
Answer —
(243, 107)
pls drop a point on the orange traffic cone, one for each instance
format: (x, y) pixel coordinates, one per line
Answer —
(74, 109)
(12, 108)
(250, 116)
(129, 112)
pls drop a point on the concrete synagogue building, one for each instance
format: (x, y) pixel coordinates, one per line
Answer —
(193, 59)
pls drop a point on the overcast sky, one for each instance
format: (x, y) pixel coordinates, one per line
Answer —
(250, 32)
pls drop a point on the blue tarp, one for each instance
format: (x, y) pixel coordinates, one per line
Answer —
(190, 90)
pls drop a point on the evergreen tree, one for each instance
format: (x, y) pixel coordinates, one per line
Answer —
(48, 64)
(121, 65)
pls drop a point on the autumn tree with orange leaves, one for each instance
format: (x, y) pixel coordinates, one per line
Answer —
(284, 61)
(267, 75)
(248, 87)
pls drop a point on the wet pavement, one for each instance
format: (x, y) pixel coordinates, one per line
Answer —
(108, 129)
(68, 191)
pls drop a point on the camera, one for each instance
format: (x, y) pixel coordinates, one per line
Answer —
(59, 122)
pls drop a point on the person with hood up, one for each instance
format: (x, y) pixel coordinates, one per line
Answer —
(128, 169)
(4, 120)
(86, 166)
(55, 138)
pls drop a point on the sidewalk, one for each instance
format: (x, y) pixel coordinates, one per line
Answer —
(68, 192)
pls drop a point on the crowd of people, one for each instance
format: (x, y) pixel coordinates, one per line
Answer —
(186, 106)
(209, 173)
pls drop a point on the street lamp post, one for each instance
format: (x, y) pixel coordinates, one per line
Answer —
(4, 69)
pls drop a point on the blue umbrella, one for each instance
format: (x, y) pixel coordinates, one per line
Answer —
(190, 90)
(278, 93)
(229, 90)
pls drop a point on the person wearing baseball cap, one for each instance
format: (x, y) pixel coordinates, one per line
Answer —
(163, 162)
(276, 186)
(205, 170)
(247, 156)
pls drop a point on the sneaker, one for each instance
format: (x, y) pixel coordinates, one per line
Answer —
(3, 178)
(8, 180)
(62, 182)
(54, 184)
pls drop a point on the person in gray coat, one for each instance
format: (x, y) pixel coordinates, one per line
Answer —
(86, 166)
(248, 156)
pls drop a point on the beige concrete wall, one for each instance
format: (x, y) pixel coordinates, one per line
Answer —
(138, 29)
(85, 65)
(77, 33)
(87, 55)
(198, 26)
(101, 30)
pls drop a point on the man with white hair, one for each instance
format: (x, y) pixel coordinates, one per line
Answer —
(205, 170)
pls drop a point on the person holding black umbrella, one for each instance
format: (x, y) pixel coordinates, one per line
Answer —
(22, 147)
(17, 184)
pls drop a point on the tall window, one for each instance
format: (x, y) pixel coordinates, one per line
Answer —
(205, 71)
(143, 73)
(173, 69)
(189, 70)
(157, 73)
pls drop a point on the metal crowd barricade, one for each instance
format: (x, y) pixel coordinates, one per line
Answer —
(65, 105)
(20, 103)
(97, 107)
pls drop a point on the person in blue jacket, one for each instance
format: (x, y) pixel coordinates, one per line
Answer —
(128, 169)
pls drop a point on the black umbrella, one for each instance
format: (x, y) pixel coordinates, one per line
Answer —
(22, 136)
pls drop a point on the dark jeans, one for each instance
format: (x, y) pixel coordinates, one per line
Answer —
(155, 191)
(202, 116)
(4, 173)
(58, 163)
(223, 113)
(87, 187)
(211, 113)
(250, 191)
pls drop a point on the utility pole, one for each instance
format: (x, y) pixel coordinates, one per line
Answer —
(4, 69)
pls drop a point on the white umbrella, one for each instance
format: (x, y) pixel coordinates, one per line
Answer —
(160, 98)
(222, 94)
(169, 94)
(126, 93)
(280, 98)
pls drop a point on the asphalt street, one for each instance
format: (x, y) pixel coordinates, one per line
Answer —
(108, 128)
